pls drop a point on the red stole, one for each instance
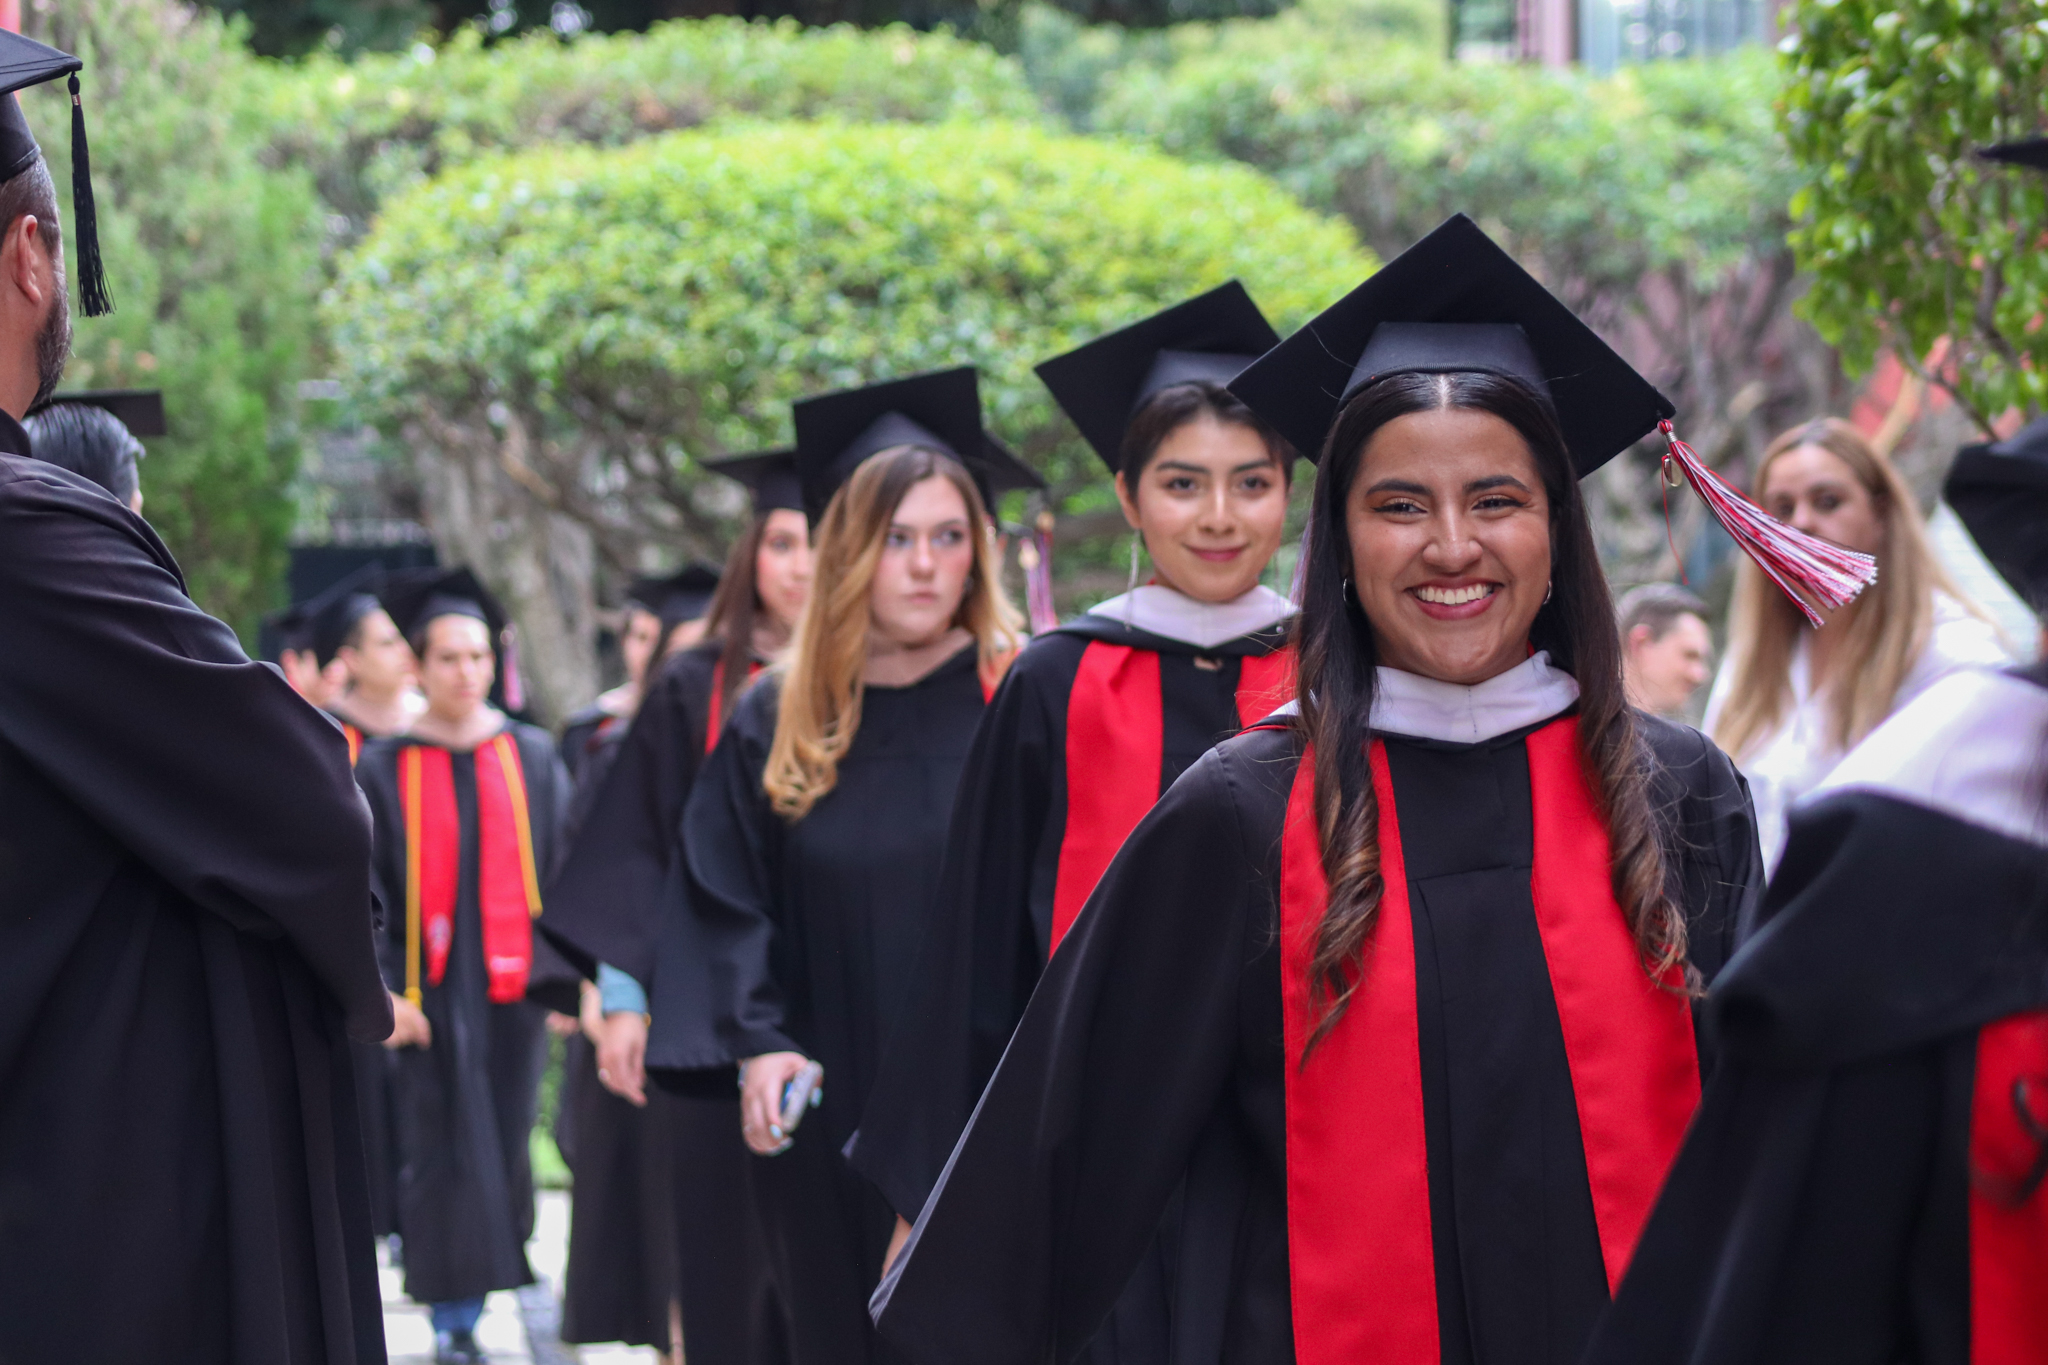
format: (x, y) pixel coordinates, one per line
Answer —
(2009, 1242)
(1357, 1159)
(716, 710)
(508, 883)
(1115, 750)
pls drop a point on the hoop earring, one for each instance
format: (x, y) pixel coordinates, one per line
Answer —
(1548, 589)
(1349, 595)
(1131, 588)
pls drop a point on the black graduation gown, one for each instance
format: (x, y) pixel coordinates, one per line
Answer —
(1821, 1207)
(1152, 1057)
(185, 950)
(607, 904)
(992, 925)
(621, 1273)
(464, 1108)
(808, 935)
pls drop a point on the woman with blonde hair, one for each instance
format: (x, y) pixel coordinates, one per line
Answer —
(1790, 701)
(814, 835)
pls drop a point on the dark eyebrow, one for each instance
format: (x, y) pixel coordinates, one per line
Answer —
(1397, 486)
(1496, 481)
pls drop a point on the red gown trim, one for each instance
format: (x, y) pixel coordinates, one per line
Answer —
(1265, 683)
(716, 710)
(2008, 1221)
(508, 889)
(1357, 1157)
(1115, 750)
(355, 742)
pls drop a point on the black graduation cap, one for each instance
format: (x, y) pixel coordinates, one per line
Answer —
(1101, 385)
(940, 410)
(23, 63)
(333, 614)
(1454, 302)
(2031, 151)
(675, 598)
(139, 410)
(286, 628)
(418, 596)
(769, 475)
(2000, 491)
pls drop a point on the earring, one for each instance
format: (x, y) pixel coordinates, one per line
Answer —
(1132, 586)
(1349, 595)
(1549, 588)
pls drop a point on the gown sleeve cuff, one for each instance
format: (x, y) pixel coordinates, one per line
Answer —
(619, 992)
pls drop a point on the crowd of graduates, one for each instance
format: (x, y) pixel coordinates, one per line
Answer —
(1368, 972)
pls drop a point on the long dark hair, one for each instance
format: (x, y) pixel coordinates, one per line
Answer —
(1336, 683)
(735, 611)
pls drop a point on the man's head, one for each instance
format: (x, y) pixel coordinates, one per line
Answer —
(1667, 651)
(35, 317)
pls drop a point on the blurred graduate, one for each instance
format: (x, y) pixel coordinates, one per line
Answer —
(1394, 990)
(186, 939)
(1095, 720)
(606, 908)
(469, 807)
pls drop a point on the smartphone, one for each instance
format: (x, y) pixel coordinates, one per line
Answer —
(806, 1090)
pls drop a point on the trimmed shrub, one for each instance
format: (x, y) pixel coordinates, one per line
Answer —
(613, 316)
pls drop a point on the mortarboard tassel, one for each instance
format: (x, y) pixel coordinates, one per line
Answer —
(1036, 556)
(1801, 565)
(85, 225)
(515, 685)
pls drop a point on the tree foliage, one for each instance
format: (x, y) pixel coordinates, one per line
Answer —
(600, 320)
(214, 263)
(1910, 238)
(378, 124)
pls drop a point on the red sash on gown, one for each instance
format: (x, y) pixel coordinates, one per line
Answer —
(1115, 750)
(508, 883)
(2008, 1222)
(1360, 1252)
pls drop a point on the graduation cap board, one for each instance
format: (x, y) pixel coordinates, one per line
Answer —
(770, 478)
(139, 410)
(939, 411)
(1102, 385)
(333, 616)
(675, 598)
(2000, 492)
(24, 63)
(419, 596)
(1456, 303)
(2031, 152)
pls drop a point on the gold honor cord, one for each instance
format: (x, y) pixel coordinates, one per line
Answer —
(409, 792)
(522, 824)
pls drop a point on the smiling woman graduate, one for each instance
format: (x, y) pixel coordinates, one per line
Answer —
(1096, 719)
(1393, 988)
(468, 807)
(814, 833)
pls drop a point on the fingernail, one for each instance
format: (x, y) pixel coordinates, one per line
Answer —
(774, 1130)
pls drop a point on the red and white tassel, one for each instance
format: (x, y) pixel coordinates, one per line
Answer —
(1802, 566)
(1035, 554)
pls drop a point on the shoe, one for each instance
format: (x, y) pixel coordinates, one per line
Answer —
(458, 1348)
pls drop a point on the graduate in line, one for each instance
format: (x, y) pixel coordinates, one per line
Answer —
(1096, 720)
(621, 1283)
(1865, 1182)
(606, 908)
(1395, 987)
(96, 433)
(469, 807)
(814, 834)
(185, 912)
(352, 635)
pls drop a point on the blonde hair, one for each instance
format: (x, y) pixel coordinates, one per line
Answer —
(818, 713)
(1886, 632)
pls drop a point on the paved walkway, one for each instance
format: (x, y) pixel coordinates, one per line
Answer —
(518, 1328)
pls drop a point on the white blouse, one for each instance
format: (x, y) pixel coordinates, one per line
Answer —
(1794, 757)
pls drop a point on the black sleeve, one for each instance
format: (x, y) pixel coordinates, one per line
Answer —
(732, 1008)
(377, 774)
(554, 982)
(605, 899)
(980, 958)
(144, 711)
(1716, 865)
(1121, 1060)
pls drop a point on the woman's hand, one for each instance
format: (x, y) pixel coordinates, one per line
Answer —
(897, 1238)
(622, 1055)
(762, 1081)
(409, 1026)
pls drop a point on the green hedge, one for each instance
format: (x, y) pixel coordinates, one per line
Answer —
(381, 123)
(689, 286)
